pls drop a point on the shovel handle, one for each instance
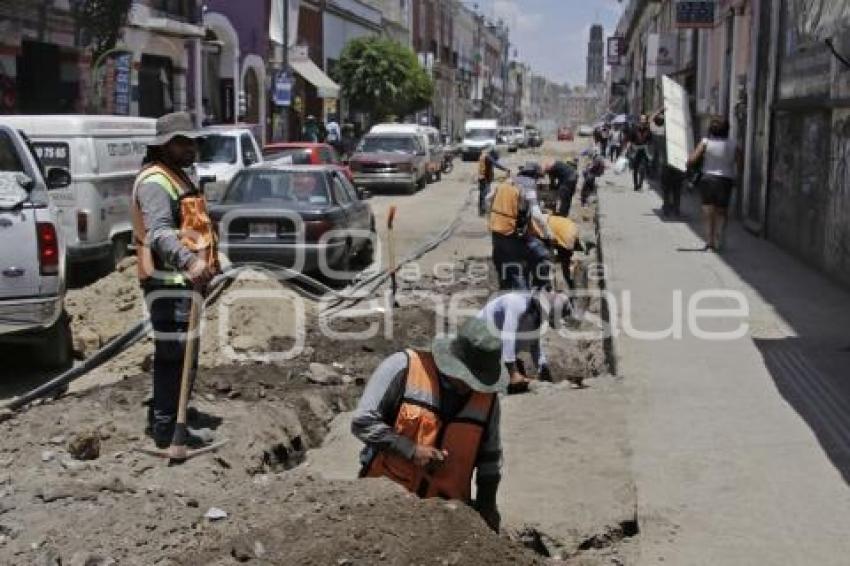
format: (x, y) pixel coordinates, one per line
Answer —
(179, 438)
(391, 217)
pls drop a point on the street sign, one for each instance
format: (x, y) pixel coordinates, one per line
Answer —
(616, 50)
(282, 89)
(695, 13)
(123, 64)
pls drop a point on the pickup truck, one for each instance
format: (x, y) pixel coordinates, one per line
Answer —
(32, 254)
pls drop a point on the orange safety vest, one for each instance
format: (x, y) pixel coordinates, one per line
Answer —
(195, 227)
(419, 420)
(505, 210)
(564, 231)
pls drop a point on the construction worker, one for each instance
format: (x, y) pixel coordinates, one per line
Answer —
(565, 241)
(429, 419)
(563, 177)
(512, 205)
(595, 169)
(487, 164)
(518, 316)
(176, 254)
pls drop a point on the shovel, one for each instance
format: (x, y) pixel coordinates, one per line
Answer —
(391, 251)
(178, 452)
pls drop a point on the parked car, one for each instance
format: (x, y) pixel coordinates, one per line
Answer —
(103, 154)
(535, 138)
(223, 151)
(519, 137)
(297, 216)
(506, 140)
(384, 160)
(585, 131)
(32, 253)
(565, 134)
(306, 153)
(430, 139)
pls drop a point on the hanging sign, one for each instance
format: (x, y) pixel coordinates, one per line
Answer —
(695, 13)
(282, 89)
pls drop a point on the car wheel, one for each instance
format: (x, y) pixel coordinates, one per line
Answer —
(366, 253)
(56, 350)
(423, 182)
(120, 248)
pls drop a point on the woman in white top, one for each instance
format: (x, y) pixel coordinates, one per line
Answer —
(719, 159)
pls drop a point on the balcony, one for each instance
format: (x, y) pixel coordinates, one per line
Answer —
(176, 20)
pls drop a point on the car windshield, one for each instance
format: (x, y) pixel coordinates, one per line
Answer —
(282, 188)
(217, 148)
(392, 144)
(481, 134)
(9, 160)
(295, 156)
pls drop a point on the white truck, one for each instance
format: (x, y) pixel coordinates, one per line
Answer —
(32, 253)
(224, 151)
(478, 135)
(103, 155)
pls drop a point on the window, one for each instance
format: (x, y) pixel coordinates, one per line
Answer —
(349, 188)
(340, 194)
(295, 156)
(249, 152)
(9, 160)
(281, 188)
(216, 148)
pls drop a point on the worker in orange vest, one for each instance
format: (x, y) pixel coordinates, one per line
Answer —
(176, 250)
(430, 419)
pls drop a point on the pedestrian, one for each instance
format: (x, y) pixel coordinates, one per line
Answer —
(563, 178)
(615, 144)
(429, 419)
(512, 205)
(334, 134)
(518, 316)
(671, 178)
(720, 160)
(176, 250)
(349, 140)
(565, 241)
(487, 164)
(311, 130)
(604, 138)
(637, 149)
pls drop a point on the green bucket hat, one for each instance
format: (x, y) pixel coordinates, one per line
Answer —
(474, 356)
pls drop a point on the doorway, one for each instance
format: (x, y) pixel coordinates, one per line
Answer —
(156, 86)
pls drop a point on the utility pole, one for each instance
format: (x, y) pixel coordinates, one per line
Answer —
(284, 119)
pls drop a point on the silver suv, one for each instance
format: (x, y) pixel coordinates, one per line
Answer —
(32, 254)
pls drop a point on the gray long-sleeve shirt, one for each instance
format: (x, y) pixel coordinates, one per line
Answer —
(519, 327)
(378, 407)
(161, 231)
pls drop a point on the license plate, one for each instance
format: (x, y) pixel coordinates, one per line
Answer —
(262, 230)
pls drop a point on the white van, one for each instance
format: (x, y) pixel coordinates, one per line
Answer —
(429, 140)
(103, 155)
(478, 135)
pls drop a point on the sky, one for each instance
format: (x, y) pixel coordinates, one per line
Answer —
(552, 35)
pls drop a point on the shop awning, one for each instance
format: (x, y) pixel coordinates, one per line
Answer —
(311, 73)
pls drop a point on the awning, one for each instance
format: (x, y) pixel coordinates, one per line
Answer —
(311, 73)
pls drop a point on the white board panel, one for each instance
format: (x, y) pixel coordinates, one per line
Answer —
(677, 120)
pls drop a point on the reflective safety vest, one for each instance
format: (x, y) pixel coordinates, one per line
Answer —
(419, 420)
(506, 210)
(564, 231)
(189, 211)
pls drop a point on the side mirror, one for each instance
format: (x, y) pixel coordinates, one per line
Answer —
(58, 178)
(250, 159)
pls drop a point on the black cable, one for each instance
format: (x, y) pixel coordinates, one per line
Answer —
(831, 45)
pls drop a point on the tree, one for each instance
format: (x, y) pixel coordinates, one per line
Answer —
(100, 23)
(382, 77)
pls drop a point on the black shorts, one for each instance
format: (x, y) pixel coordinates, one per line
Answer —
(716, 191)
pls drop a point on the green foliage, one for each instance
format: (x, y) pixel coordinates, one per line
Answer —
(382, 77)
(100, 22)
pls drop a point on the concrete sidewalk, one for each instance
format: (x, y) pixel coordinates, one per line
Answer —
(741, 448)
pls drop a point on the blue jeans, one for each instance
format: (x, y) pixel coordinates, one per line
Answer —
(170, 321)
(483, 189)
(565, 198)
(508, 257)
(539, 264)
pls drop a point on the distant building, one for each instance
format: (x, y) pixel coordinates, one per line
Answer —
(596, 57)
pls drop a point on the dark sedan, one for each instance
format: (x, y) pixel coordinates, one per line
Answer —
(309, 218)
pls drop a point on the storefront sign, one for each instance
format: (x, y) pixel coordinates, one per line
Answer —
(121, 86)
(616, 50)
(282, 92)
(695, 13)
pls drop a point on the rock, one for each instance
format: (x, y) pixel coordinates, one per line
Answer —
(223, 387)
(85, 446)
(73, 465)
(57, 440)
(192, 502)
(246, 344)
(259, 549)
(49, 557)
(47, 455)
(88, 559)
(86, 342)
(241, 552)
(215, 514)
(321, 374)
(147, 363)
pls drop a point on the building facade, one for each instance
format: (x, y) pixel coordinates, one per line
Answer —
(596, 57)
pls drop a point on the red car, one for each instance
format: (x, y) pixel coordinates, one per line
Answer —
(306, 153)
(565, 134)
